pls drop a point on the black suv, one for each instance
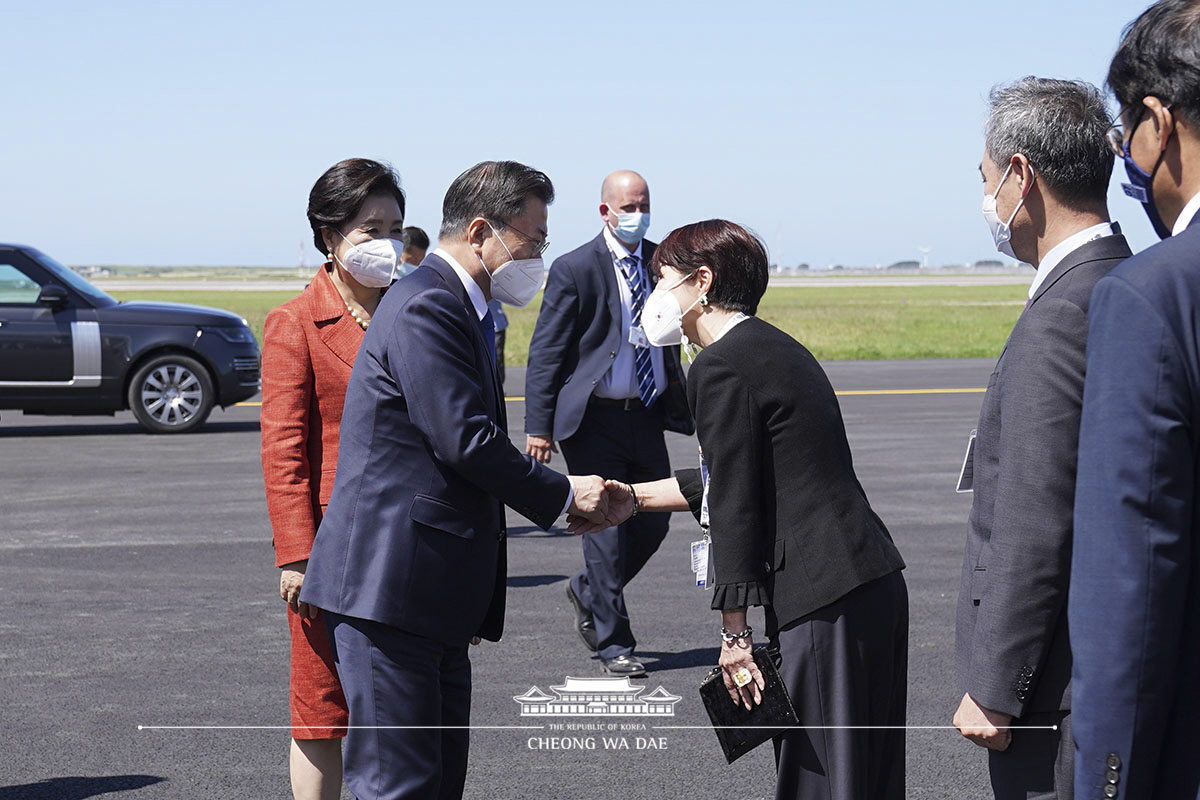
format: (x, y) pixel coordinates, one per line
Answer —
(66, 347)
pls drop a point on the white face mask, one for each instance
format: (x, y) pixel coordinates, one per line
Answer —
(515, 282)
(662, 316)
(631, 228)
(1001, 232)
(374, 263)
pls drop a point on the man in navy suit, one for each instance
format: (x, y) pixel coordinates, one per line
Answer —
(596, 386)
(409, 562)
(1134, 606)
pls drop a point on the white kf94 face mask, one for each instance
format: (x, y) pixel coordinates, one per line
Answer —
(1001, 232)
(374, 263)
(662, 316)
(516, 281)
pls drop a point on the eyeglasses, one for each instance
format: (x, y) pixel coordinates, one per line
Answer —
(1116, 131)
(538, 247)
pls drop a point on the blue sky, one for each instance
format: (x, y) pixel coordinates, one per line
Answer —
(848, 133)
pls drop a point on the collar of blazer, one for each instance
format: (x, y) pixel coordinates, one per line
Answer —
(325, 303)
(455, 285)
(608, 274)
(1104, 248)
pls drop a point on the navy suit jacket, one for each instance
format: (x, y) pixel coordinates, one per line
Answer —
(414, 534)
(1134, 607)
(577, 336)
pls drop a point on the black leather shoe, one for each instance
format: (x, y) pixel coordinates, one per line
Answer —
(624, 666)
(584, 623)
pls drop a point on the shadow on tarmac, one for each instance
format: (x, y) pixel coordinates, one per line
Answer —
(526, 581)
(665, 662)
(77, 788)
(117, 429)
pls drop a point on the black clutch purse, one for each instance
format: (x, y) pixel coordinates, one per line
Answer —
(739, 731)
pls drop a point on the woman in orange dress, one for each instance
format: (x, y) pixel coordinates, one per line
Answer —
(356, 210)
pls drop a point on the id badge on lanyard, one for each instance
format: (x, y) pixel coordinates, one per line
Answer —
(701, 556)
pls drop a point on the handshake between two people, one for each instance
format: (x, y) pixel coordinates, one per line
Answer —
(598, 504)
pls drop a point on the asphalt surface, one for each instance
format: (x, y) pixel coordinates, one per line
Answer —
(137, 588)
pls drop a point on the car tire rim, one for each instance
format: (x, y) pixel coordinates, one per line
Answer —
(172, 394)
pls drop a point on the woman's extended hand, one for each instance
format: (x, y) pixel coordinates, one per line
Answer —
(735, 656)
(291, 578)
(620, 508)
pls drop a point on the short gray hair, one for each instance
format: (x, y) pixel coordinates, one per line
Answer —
(1061, 127)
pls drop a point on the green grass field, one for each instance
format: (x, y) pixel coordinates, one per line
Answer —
(836, 323)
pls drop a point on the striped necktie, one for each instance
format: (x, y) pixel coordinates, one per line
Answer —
(643, 361)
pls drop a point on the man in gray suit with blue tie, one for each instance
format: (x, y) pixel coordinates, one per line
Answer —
(1135, 573)
(409, 563)
(1045, 170)
(596, 386)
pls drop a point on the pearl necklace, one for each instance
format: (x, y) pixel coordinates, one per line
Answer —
(362, 323)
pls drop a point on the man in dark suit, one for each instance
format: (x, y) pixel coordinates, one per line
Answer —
(1135, 573)
(409, 562)
(596, 386)
(1046, 169)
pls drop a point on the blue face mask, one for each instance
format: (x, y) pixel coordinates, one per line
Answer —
(631, 228)
(1139, 189)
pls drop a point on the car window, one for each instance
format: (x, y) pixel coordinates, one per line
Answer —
(16, 288)
(74, 280)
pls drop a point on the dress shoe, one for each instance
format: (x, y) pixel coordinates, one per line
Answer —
(584, 623)
(627, 666)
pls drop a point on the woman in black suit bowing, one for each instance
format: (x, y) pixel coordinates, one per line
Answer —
(790, 525)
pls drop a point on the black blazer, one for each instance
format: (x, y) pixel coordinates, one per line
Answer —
(577, 336)
(1012, 646)
(791, 526)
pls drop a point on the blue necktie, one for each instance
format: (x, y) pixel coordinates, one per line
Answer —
(487, 326)
(643, 362)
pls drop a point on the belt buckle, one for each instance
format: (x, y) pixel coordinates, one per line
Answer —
(625, 406)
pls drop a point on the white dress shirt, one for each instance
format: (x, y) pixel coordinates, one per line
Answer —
(620, 382)
(1185, 216)
(1066, 246)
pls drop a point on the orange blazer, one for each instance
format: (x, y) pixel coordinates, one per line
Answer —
(309, 346)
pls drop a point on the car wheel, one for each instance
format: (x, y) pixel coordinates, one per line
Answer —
(171, 394)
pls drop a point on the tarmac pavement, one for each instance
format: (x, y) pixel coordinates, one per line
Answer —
(138, 589)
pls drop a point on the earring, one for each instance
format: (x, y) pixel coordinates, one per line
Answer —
(704, 299)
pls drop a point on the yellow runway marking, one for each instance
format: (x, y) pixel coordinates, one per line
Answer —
(847, 393)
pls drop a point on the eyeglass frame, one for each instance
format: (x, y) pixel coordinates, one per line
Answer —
(1115, 135)
(538, 248)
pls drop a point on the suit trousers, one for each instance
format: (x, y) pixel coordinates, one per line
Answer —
(1039, 764)
(846, 664)
(395, 678)
(625, 446)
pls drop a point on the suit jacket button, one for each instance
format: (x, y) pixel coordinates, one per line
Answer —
(595, 382)
(1112, 776)
(612, 355)
(767, 566)
(1110, 791)
(1113, 762)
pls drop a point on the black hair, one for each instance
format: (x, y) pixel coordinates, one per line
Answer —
(494, 190)
(736, 257)
(415, 238)
(339, 194)
(1159, 56)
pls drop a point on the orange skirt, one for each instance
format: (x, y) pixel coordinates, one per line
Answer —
(317, 703)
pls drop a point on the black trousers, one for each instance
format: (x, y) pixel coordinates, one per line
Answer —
(625, 446)
(395, 678)
(846, 666)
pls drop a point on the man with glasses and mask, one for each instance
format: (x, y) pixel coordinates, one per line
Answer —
(596, 386)
(409, 563)
(1135, 574)
(1045, 168)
